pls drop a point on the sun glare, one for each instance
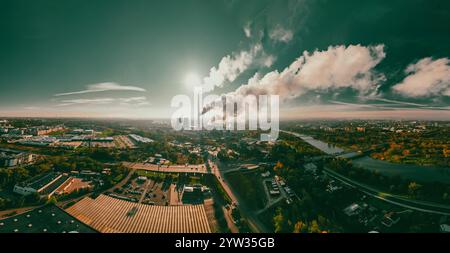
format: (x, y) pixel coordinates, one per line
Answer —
(192, 80)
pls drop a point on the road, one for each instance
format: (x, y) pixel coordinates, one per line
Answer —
(147, 184)
(246, 212)
(421, 206)
(123, 182)
(217, 172)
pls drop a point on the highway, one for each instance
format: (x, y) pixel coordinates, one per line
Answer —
(417, 205)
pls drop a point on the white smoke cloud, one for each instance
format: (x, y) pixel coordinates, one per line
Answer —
(231, 66)
(334, 68)
(426, 78)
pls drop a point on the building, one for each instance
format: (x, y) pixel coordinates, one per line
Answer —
(4, 130)
(39, 141)
(111, 215)
(16, 131)
(140, 139)
(353, 209)
(46, 219)
(193, 194)
(311, 168)
(45, 185)
(390, 218)
(44, 130)
(444, 228)
(82, 132)
(11, 158)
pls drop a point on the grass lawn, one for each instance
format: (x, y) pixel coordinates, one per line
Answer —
(250, 187)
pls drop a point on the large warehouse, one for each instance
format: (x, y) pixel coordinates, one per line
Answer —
(110, 215)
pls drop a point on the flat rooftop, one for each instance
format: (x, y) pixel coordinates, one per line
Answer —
(198, 168)
(110, 215)
(47, 219)
(40, 181)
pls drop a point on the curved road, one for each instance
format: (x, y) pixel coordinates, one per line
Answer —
(422, 206)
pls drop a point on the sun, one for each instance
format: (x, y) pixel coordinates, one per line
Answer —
(192, 80)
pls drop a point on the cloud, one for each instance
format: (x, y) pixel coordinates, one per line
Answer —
(100, 87)
(337, 67)
(391, 101)
(129, 101)
(280, 34)
(137, 101)
(231, 66)
(81, 101)
(31, 108)
(247, 30)
(393, 106)
(426, 78)
(132, 99)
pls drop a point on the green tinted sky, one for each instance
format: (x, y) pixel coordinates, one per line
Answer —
(52, 47)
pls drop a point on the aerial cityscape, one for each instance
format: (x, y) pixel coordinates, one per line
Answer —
(255, 116)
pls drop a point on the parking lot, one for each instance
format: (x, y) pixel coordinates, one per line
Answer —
(146, 190)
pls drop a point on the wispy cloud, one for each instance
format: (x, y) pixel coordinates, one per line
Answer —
(247, 30)
(128, 101)
(136, 101)
(31, 108)
(391, 101)
(101, 87)
(355, 104)
(280, 34)
(391, 105)
(82, 101)
(132, 99)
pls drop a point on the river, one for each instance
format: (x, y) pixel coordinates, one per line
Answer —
(329, 149)
(406, 171)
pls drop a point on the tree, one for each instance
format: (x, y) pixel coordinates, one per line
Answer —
(2, 203)
(279, 222)
(278, 166)
(314, 227)
(413, 188)
(300, 227)
(52, 200)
